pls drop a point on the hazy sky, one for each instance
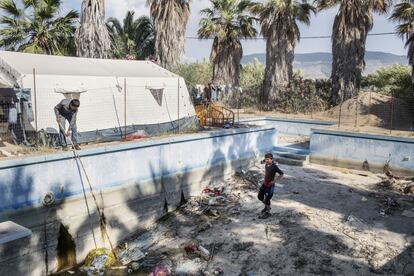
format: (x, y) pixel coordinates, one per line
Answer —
(321, 24)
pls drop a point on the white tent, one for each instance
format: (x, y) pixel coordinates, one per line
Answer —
(154, 96)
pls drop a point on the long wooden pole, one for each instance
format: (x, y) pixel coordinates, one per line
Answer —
(178, 107)
(35, 106)
(125, 108)
(356, 114)
(340, 114)
(392, 114)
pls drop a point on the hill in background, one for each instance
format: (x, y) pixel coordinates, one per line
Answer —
(318, 65)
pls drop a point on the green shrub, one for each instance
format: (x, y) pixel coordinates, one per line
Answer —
(394, 80)
(195, 73)
(304, 96)
(252, 77)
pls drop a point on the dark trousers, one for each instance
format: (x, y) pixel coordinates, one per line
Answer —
(265, 194)
(62, 137)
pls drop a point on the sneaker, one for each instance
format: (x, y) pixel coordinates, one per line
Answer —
(264, 210)
(265, 215)
(77, 147)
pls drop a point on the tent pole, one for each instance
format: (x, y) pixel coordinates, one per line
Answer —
(178, 106)
(35, 106)
(125, 107)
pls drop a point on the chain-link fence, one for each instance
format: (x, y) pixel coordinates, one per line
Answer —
(16, 113)
(389, 112)
(370, 112)
(374, 113)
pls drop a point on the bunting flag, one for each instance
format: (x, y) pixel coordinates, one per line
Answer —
(157, 94)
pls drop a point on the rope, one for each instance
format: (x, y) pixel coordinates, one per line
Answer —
(77, 157)
(101, 220)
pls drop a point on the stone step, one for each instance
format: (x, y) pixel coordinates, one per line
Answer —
(285, 149)
(293, 156)
(289, 161)
(10, 231)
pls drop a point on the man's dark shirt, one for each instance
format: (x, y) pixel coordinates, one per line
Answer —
(270, 173)
(63, 110)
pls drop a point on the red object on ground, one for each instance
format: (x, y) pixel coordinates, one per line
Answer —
(191, 248)
(132, 137)
(214, 192)
(160, 271)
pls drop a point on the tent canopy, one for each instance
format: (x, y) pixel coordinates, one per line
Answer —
(18, 64)
(112, 92)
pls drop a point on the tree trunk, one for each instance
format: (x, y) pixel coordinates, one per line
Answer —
(92, 38)
(412, 72)
(279, 64)
(226, 60)
(348, 52)
(170, 23)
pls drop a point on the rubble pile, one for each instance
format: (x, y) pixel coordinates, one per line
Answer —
(404, 185)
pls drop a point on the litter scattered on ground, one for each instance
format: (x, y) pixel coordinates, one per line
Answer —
(98, 260)
(160, 270)
(404, 185)
(317, 226)
(131, 255)
(190, 267)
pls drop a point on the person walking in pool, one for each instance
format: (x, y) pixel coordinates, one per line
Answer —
(267, 189)
(67, 110)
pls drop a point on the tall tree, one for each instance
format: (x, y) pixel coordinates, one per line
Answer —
(404, 15)
(37, 27)
(92, 36)
(351, 26)
(279, 21)
(227, 21)
(132, 39)
(170, 19)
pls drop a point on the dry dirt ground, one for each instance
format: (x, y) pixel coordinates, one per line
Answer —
(325, 221)
(369, 112)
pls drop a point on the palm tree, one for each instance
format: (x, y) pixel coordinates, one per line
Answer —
(404, 15)
(227, 22)
(92, 36)
(170, 19)
(351, 26)
(279, 21)
(37, 27)
(134, 39)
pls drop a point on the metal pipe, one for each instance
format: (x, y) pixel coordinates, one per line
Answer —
(125, 107)
(340, 114)
(35, 106)
(178, 107)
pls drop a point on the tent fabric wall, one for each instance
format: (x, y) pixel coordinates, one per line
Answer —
(102, 102)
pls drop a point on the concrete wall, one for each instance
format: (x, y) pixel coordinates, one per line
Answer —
(133, 183)
(296, 127)
(351, 150)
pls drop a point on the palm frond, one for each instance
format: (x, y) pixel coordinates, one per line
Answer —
(37, 27)
(10, 8)
(404, 14)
